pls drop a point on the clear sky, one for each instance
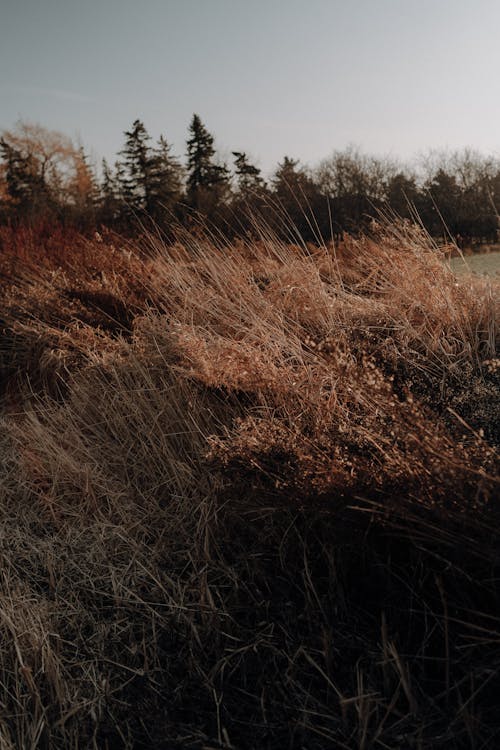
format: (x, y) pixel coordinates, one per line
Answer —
(272, 77)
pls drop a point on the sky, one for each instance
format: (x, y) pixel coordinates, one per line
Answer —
(270, 77)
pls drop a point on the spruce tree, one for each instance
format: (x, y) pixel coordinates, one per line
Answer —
(249, 204)
(26, 186)
(124, 188)
(165, 183)
(135, 168)
(110, 202)
(149, 179)
(248, 176)
(207, 181)
(301, 202)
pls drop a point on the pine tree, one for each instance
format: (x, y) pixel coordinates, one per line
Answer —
(250, 200)
(207, 181)
(287, 177)
(248, 176)
(111, 205)
(300, 200)
(124, 187)
(25, 185)
(200, 152)
(443, 203)
(403, 195)
(149, 179)
(134, 172)
(165, 183)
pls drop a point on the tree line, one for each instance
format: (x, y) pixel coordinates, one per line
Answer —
(44, 175)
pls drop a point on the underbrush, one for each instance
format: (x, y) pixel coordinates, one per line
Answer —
(249, 496)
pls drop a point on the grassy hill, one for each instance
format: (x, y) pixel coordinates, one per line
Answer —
(249, 495)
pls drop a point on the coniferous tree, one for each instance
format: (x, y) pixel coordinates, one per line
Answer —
(111, 205)
(26, 186)
(248, 176)
(403, 195)
(250, 199)
(135, 168)
(165, 185)
(301, 203)
(124, 189)
(442, 205)
(289, 178)
(149, 179)
(207, 181)
(200, 153)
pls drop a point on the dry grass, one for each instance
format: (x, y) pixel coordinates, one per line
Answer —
(248, 496)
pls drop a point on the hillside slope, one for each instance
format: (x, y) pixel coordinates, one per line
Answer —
(249, 495)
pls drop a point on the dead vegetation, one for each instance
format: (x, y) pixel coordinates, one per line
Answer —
(249, 496)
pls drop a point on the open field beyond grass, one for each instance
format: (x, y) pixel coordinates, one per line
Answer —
(249, 495)
(482, 263)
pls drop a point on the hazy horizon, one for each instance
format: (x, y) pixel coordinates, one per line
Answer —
(392, 78)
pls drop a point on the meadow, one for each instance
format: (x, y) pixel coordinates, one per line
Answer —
(249, 494)
(483, 263)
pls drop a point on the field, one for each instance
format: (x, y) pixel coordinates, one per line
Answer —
(249, 494)
(482, 263)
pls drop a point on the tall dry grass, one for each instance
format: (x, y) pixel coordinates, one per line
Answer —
(249, 496)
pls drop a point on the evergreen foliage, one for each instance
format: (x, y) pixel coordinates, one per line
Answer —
(453, 195)
(299, 199)
(25, 186)
(207, 181)
(248, 176)
(165, 181)
(110, 203)
(149, 178)
(135, 175)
